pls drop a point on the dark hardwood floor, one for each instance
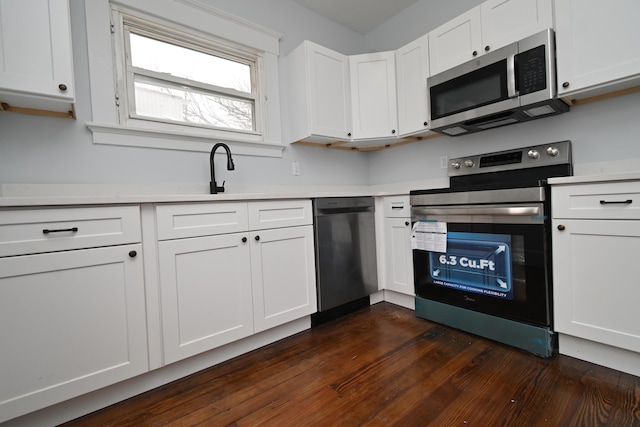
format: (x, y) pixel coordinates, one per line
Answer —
(382, 366)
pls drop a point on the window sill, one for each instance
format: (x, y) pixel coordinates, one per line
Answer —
(147, 138)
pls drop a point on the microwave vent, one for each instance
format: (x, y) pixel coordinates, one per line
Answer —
(453, 131)
(540, 111)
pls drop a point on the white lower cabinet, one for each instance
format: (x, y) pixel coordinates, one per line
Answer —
(220, 288)
(397, 236)
(205, 290)
(597, 290)
(283, 272)
(399, 256)
(71, 321)
(596, 242)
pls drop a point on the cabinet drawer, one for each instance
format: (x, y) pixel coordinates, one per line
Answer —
(279, 213)
(612, 200)
(200, 219)
(397, 207)
(28, 231)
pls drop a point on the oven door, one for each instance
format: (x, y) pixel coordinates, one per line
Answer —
(496, 260)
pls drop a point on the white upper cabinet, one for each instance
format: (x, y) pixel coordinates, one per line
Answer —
(319, 94)
(36, 63)
(373, 95)
(490, 26)
(598, 47)
(455, 42)
(412, 70)
(505, 22)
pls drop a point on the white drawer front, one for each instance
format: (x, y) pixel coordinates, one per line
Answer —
(28, 231)
(397, 207)
(279, 213)
(200, 219)
(614, 200)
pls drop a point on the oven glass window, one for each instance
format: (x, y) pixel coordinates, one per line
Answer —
(475, 89)
(498, 269)
(480, 263)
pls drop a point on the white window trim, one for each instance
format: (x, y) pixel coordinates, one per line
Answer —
(105, 126)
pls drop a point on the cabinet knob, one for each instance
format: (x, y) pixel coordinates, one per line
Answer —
(561, 227)
(475, 53)
(349, 134)
(487, 48)
(406, 223)
(426, 123)
(62, 87)
(257, 238)
(133, 254)
(565, 84)
(393, 131)
(244, 240)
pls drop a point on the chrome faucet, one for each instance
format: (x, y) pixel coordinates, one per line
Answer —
(213, 185)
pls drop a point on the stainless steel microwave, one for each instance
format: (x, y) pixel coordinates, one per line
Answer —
(512, 84)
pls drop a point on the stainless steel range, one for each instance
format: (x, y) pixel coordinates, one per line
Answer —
(481, 248)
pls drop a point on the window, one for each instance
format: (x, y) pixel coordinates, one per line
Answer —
(185, 78)
(178, 79)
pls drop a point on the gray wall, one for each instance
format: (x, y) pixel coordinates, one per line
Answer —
(52, 150)
(49, 150)
(604, 131)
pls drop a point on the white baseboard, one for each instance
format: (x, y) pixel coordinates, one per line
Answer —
(600, 354)
(403, 300)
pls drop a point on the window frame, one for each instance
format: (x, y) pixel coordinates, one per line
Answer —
(111, 123)
(125, 24)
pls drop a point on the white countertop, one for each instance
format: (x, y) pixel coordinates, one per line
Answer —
(16, 195)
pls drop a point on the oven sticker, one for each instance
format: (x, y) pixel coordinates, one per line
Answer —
(478, 263)
(429, 236)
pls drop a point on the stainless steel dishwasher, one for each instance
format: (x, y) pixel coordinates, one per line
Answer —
(345, 242)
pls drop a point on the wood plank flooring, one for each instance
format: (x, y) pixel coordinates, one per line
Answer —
(382, 366)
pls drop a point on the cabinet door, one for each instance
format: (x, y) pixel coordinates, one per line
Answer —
(283, 269)
(205, 285)
(35, 49)
(412, 70)
(399, 256)
(329, 94)
(596, 290)
(597, 45)
(455, 42)
(373, 94)
(505, 22)
(70, 323)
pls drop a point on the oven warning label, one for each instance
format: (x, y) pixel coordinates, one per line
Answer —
(429, 236)
(471, 265)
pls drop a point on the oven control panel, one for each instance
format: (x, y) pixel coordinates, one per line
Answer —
(556, 153)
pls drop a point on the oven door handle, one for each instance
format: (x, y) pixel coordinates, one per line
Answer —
(489, 211)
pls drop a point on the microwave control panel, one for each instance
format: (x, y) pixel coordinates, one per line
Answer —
(531, 70)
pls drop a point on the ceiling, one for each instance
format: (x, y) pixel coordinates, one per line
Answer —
(361, 16)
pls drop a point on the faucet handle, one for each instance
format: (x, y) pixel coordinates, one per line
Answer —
(214, 189)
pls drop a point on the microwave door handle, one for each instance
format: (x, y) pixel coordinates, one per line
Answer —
(511, 76)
